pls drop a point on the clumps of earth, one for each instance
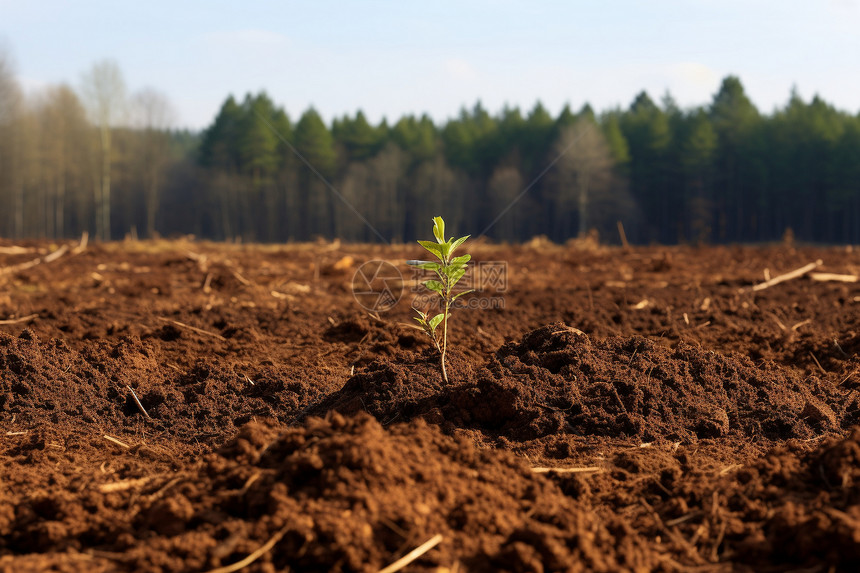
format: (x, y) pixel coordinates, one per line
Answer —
(556, 379)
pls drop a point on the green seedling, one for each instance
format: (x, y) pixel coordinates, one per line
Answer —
(449, 270)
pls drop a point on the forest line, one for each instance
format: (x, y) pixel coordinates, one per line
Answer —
(96, 159)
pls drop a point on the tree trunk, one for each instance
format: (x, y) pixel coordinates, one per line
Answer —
(583, 204)
(104, 223)
(151, 206)
(60, 207)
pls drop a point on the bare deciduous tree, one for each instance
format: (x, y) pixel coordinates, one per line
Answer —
(386, 171)
(62, 151)
(11, 184)
(504, 186)
(104, 91)
(153, 115)
(584, 172)
(10, 93)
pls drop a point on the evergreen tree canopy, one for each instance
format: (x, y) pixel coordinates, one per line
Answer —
(720, 172)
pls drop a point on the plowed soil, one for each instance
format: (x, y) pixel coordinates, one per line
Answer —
(187, 406)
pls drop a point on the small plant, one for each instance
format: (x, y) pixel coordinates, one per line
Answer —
(449, 270)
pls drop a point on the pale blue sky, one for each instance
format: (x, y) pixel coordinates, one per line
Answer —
(394, 57)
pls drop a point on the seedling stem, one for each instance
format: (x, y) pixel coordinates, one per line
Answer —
(449, 270)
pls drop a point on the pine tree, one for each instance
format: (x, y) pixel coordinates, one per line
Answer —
(735, 120)
(315, 144)
(646, 129)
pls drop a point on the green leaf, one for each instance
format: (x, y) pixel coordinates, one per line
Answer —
(461, 260)
(434, 248)
(434, 322)
(445, 248)
(455, 277)
(428, 266)
(439, 229)
(435, 286)
(457, 243)
(461, 294)
(420, 321)
(451, 270)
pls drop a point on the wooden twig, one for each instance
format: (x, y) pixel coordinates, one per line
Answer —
(163, 489)
(824, 277)
(784, 277)
(123, 485)
(249, 482)
(49, 258)
(195, 257)
(241, 279)
(729, 469)
(623, 235)
(117, 442)
(16, 433)
(375, 316)
(778, 321)
(136, 401)
(413, 555)
(585, 470)
(817, 363)
(267, 546)
(679, 520)
(570, 329)
(201, 260)
(20, 267)
(82, 246)
(56, 254)
(15, 250)
(27, 318)
(194, 328)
